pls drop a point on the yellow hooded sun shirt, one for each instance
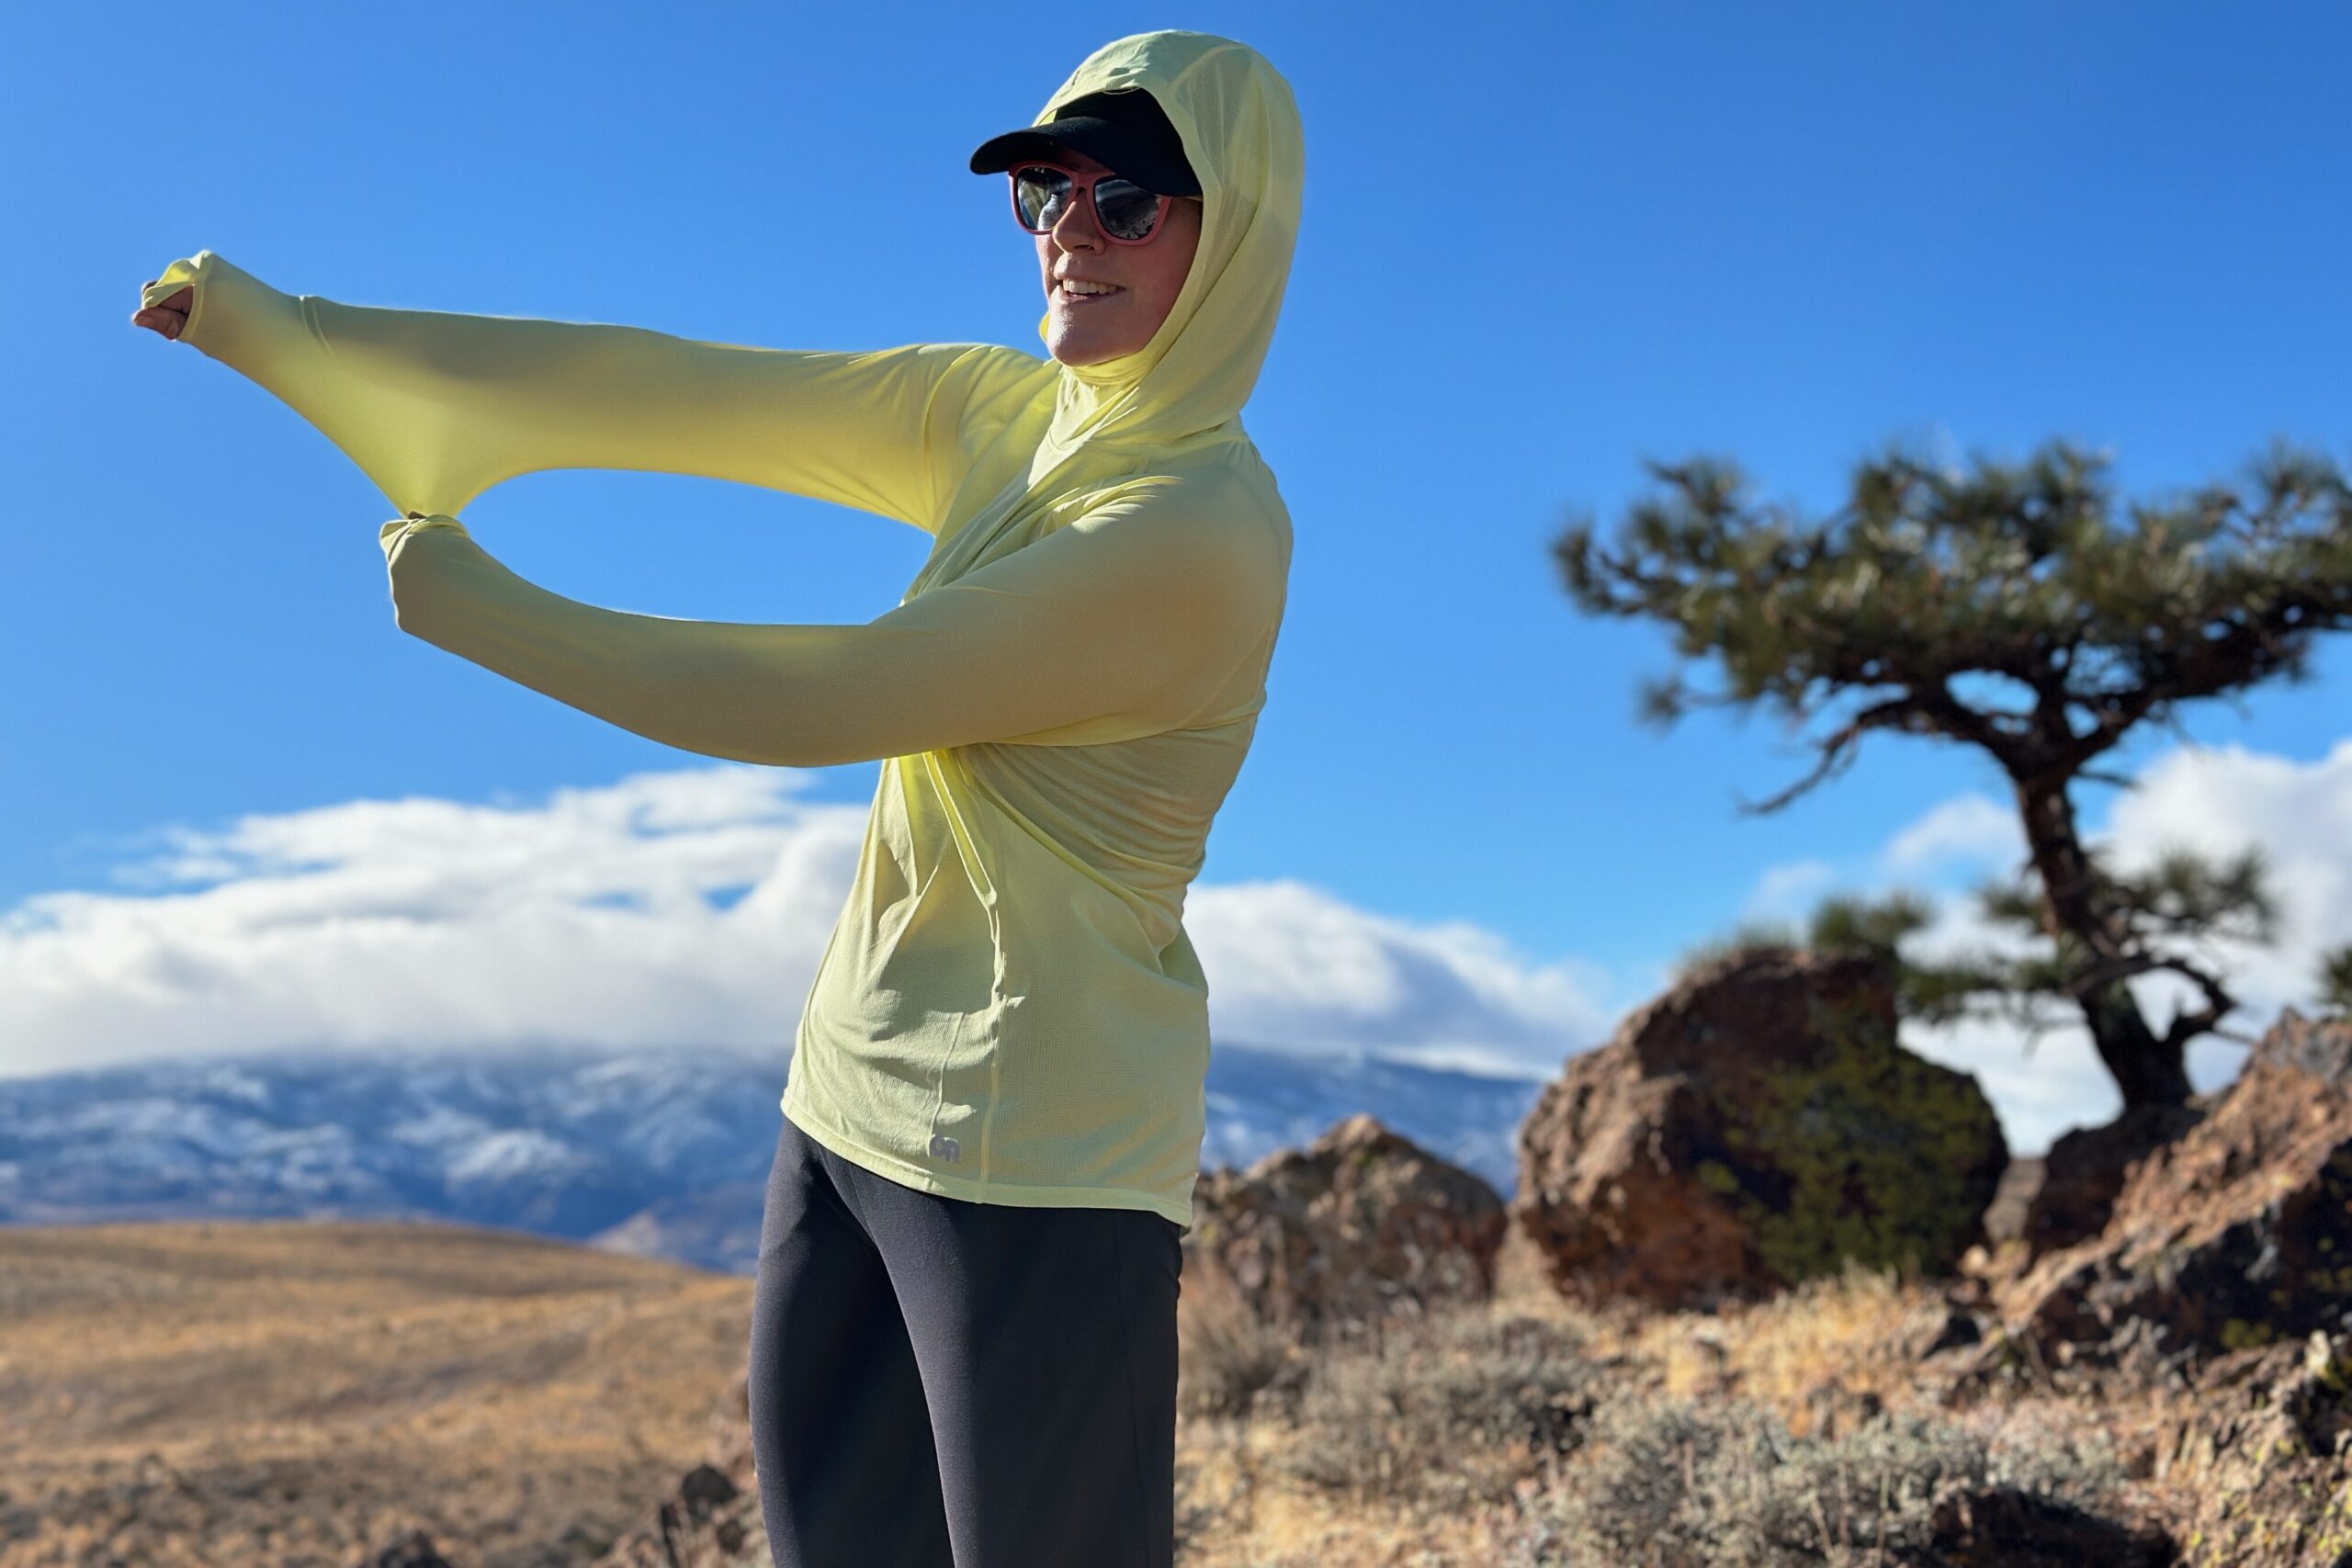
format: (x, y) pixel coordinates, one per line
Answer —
(1009, 1009)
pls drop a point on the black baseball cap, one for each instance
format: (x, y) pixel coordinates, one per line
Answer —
(1126, 130)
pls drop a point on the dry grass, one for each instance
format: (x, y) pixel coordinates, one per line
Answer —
(1511, 1438)
(1842, 1336)
(276, 1391)
(1228, 1357)
(283, 1394)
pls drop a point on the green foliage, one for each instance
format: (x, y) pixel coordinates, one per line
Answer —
(2335, 981)
(1847, 923)
(1751, 939)
(2014, 576)
(1872, 1142)
(2012, 571)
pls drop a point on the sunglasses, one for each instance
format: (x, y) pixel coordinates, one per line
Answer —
(1127, 213)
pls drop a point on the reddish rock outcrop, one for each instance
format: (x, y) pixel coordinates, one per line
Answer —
(1359, 1226)
(2270, 1443)
(2066, 1195)
(1754, 1126)
(2238, 1234)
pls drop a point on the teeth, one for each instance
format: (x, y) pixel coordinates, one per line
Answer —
(1073, 285)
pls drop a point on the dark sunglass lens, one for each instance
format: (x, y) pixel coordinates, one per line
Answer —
(1127, 209)
(1040, 196)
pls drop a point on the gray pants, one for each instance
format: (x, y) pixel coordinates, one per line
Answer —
(937, 1382)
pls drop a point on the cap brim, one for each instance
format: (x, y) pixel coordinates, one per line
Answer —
(1107, 143)
(999, 154)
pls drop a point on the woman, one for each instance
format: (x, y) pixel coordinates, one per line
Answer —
(964, 1327)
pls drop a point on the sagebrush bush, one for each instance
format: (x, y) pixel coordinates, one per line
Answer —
(1435, 1405)
(1672, 1483)
(1227, 1355)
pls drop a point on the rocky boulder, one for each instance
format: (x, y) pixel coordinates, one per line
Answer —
(2237, 1235)
(2066, 1195)
(1754, 1126)
(2267, 1455)
(1359, 1226)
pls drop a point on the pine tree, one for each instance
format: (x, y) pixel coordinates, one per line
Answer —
(2019, 573)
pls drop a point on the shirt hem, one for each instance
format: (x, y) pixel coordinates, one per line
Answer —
(891, 1167)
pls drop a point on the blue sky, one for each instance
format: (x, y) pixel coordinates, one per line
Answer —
(1540, 245)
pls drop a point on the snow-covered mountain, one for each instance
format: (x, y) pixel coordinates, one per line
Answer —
(664, 1154)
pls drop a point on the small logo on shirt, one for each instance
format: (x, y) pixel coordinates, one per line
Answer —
(943, 1148)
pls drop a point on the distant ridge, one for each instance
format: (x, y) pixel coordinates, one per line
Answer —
(661, 1154)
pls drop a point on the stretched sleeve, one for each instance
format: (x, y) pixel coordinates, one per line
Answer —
(1128, 621)
(436, 407)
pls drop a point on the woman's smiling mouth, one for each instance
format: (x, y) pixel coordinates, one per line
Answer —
(1088, 294)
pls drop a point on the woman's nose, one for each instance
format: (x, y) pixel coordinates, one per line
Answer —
(1071, 227)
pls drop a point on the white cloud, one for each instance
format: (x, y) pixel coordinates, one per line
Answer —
(592, 916)
(2215, 801)
(1974, 830)
(1296, 968)
(2220, 802)
(1787, 891)
(612, 915)
(603, 916)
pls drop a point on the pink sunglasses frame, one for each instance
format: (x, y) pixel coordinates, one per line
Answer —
(1083, 184)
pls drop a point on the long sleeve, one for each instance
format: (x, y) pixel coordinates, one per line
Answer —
(436, 407)
(1131, 620)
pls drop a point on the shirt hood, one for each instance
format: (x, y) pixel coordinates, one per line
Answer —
(1240, 130)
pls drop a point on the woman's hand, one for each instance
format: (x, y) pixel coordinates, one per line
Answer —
(422, 583)
(168, 315)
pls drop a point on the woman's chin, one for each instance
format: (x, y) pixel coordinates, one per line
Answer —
(1078, 347)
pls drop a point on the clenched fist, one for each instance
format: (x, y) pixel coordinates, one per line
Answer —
(168, 315)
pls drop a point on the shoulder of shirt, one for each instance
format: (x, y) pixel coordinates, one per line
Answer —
(1204, 507)
(993, 367)
(1226, 480)
(991, 384)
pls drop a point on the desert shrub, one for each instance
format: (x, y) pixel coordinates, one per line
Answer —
(1198, 1515)
(1676, 1484)
(1227, 1355)
(1437, 1406)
